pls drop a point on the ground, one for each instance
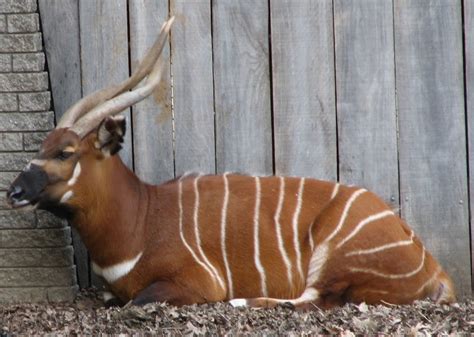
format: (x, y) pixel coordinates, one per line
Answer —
(87, 316)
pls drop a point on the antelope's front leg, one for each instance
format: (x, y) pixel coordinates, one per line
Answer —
(110, 300)
(167, 291)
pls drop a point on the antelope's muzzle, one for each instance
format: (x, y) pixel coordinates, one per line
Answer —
(27, 187)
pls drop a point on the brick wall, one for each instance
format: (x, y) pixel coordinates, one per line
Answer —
(36, 256)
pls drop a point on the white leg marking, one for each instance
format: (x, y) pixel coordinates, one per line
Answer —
(75, 174)
(238, 302)
(66, 196)
(296, 237)
(256, 237)
(364, 222)
(198, 237)
(181, 234)
(392, 276)
(281, 246)
(309, 295)
(335, 190)
(223, 235)
(107, 296)
(383, 247)
(116, 271)
(316, 264)
(353, 197)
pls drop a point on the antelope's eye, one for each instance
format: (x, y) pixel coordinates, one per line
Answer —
(63, 155)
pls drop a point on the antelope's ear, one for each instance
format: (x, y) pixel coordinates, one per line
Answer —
(110, 135)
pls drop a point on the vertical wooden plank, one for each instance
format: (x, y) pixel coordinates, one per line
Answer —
(303, 88)
(433, 174)
(104, 55)
(60, 23)
(193, 87)
(365, 89)
(242, 86)
(152, 118)
(469, 66)
(104, 52)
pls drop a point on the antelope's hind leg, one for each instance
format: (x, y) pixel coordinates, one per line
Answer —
(309, 299)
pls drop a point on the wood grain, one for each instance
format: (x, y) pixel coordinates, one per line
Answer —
(104, 55)
(366, 115)
(60, 27)
(152, 118)
(242, 86)
(433, 175)
(303, 88)
(193, 87)
(104, 52)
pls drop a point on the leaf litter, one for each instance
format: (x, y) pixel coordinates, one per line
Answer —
(87, 315)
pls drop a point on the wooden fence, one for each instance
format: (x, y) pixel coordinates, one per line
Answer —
(370, 92)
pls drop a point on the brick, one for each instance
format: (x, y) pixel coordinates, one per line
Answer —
(11, 142)
(6, 178)
(38, 101)
(24, 82)
(28, 62)
(15, 43)
(5, 63)
(32, 121)
(3, 23)
(32, 140)
(8, 102)
(14, 161)
(17, 295)
(62, 294)
(42, 277)
(32, 238)
(48, 220)
(23, 23)
(37, 257)
(17, 6)
(10, 219)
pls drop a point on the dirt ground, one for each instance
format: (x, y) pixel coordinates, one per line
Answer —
(88, 316)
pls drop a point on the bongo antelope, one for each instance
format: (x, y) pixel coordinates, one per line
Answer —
(253, 241)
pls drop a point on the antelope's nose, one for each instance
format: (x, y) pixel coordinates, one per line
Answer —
(15, 193)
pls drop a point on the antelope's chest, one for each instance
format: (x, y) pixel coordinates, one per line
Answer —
(120, 277)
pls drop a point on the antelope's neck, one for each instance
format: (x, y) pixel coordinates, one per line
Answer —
(112, 206)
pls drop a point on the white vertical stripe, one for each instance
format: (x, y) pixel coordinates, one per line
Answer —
(392, 276)
(335, 190)
(296, 216)
(364, 222)
(181, 234)
(311, 241)
(353, 197)
(281, 246)
(256, 236)
(316, 264)
(223, 235)
(75, 174)
(197, 234)
(383, 247)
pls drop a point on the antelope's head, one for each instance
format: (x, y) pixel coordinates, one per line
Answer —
(87, 136)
